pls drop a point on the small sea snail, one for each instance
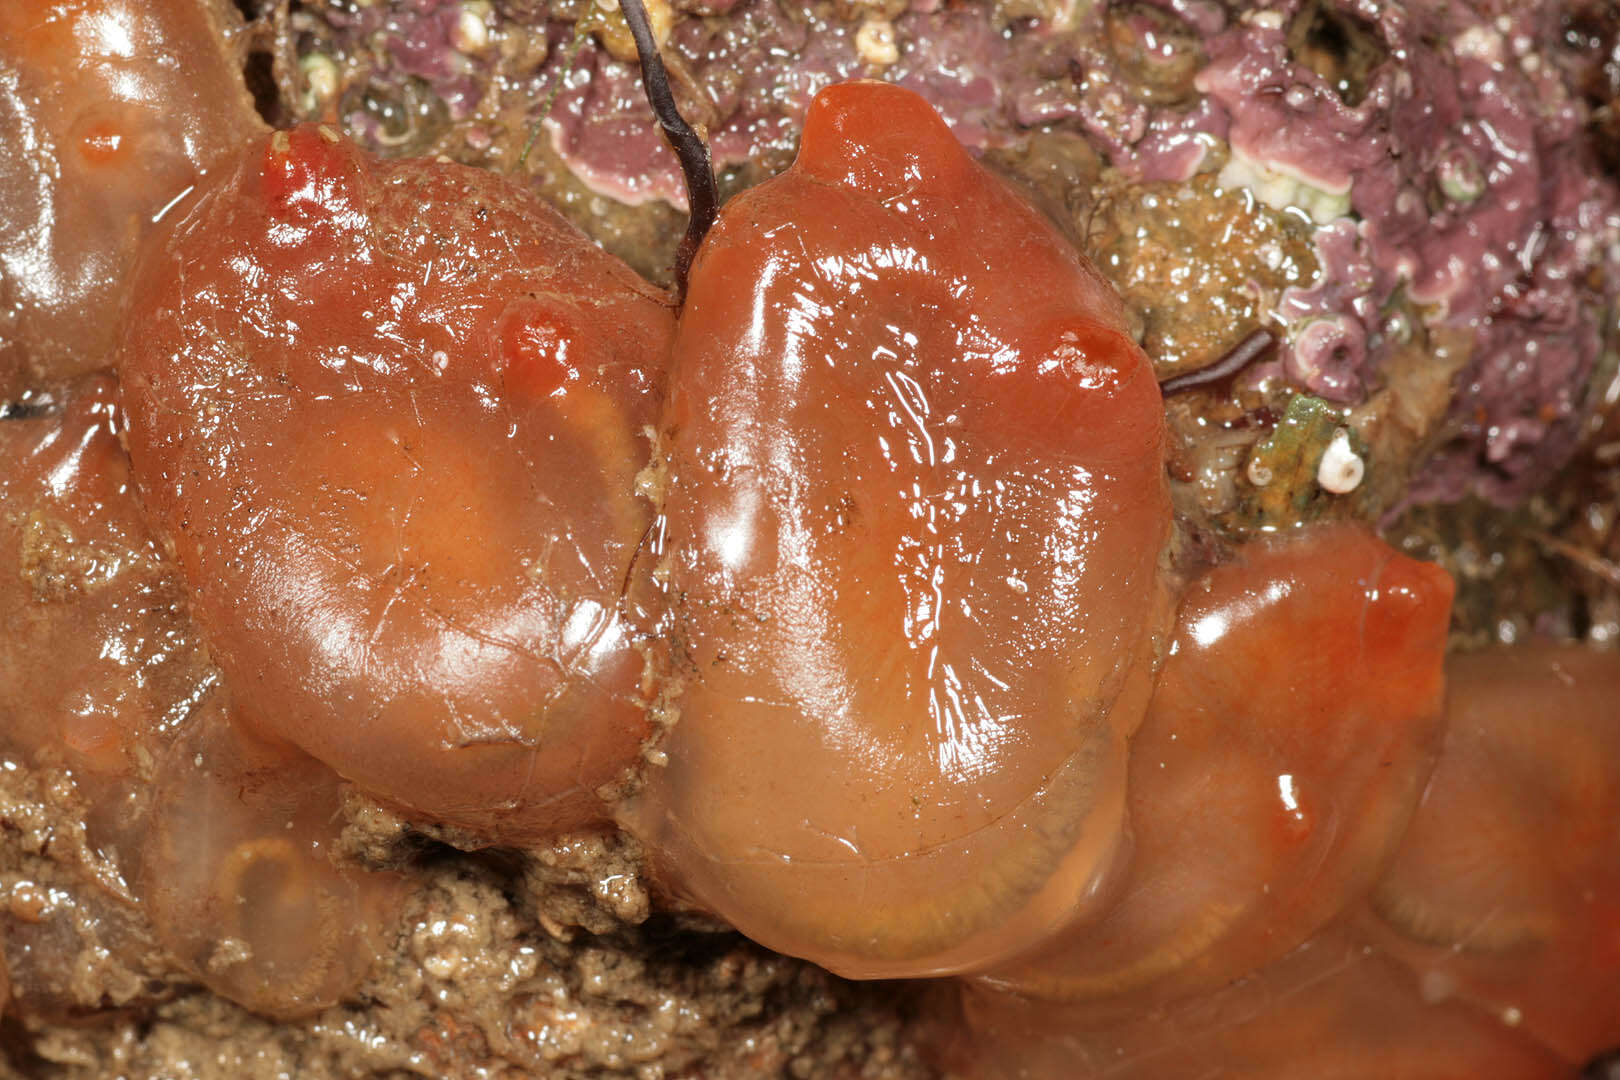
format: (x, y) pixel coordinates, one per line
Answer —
(913, 511)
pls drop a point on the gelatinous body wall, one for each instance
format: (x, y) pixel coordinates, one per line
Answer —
(914, 514)
(1488, 946)
(905, 611)
(221, 846)
(1506, 891)
(109, 110)
(99, 664)
(1291, 731)
(391, 418)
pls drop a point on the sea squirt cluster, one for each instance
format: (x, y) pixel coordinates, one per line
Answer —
(413, 538)
(849, 588)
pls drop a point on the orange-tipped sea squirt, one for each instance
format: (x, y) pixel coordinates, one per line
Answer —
(1291, 731)
(1506, 889)
(390, 416)
(913, 513)
(110, 110)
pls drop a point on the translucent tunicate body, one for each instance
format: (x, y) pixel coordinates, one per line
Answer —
(219, 847)
(109, 111)
(1506, 891)
(913, 511)
(1291, 731)
(390, 416)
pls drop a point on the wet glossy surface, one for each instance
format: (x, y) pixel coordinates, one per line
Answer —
(1291, 731)
(109, 110)
(99, 662)
(391, 417)
(257, 904)
(913, 517)
(1506, 891)
(1330, 1010)
(105, 684)
(1489, 946)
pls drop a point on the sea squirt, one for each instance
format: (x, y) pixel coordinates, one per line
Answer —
(390, 418)
(913, 518)
(99, 663)
(257, 904)
(1290, 734)
(104, 125)
(1488, 945)
(220, 845)
(1331, 1009)
(1506, 891)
